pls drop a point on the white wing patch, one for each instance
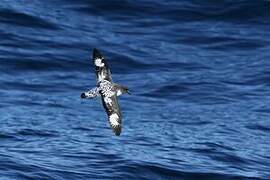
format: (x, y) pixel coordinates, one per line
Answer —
(99, 63)
(114, 120)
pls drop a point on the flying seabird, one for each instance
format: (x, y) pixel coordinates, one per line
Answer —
(108, 90)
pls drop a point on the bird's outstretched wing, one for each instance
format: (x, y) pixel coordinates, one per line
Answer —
(108, 96)
(92, 93)
(101, 67)
(113, 111)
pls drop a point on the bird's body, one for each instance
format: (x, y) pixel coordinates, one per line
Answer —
(108, 92)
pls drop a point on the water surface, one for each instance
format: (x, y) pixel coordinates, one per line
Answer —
(198, 72)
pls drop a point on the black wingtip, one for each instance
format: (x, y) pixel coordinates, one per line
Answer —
(96, 54)
(83, 95)
(117, 130)
(117, 133)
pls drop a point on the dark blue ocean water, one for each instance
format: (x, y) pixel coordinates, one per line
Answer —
(199, 73)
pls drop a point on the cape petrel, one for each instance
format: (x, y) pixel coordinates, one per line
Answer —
(108, 90)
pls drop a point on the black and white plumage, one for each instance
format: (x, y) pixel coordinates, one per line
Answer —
(108, 91)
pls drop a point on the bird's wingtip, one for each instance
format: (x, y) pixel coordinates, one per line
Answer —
(117, 131)
(96, 53)
(83, 95)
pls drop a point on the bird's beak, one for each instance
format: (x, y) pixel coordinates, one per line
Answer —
(128, 92)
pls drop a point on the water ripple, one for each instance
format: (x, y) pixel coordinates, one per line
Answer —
(198, 72)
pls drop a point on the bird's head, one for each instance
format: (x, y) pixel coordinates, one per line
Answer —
(126, 90)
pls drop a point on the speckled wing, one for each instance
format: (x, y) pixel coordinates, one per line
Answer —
(112, 108)
(92, 93)
(109, 99)
(101, 67)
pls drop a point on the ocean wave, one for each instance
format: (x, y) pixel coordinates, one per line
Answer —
(197, 71)
(13, 17)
